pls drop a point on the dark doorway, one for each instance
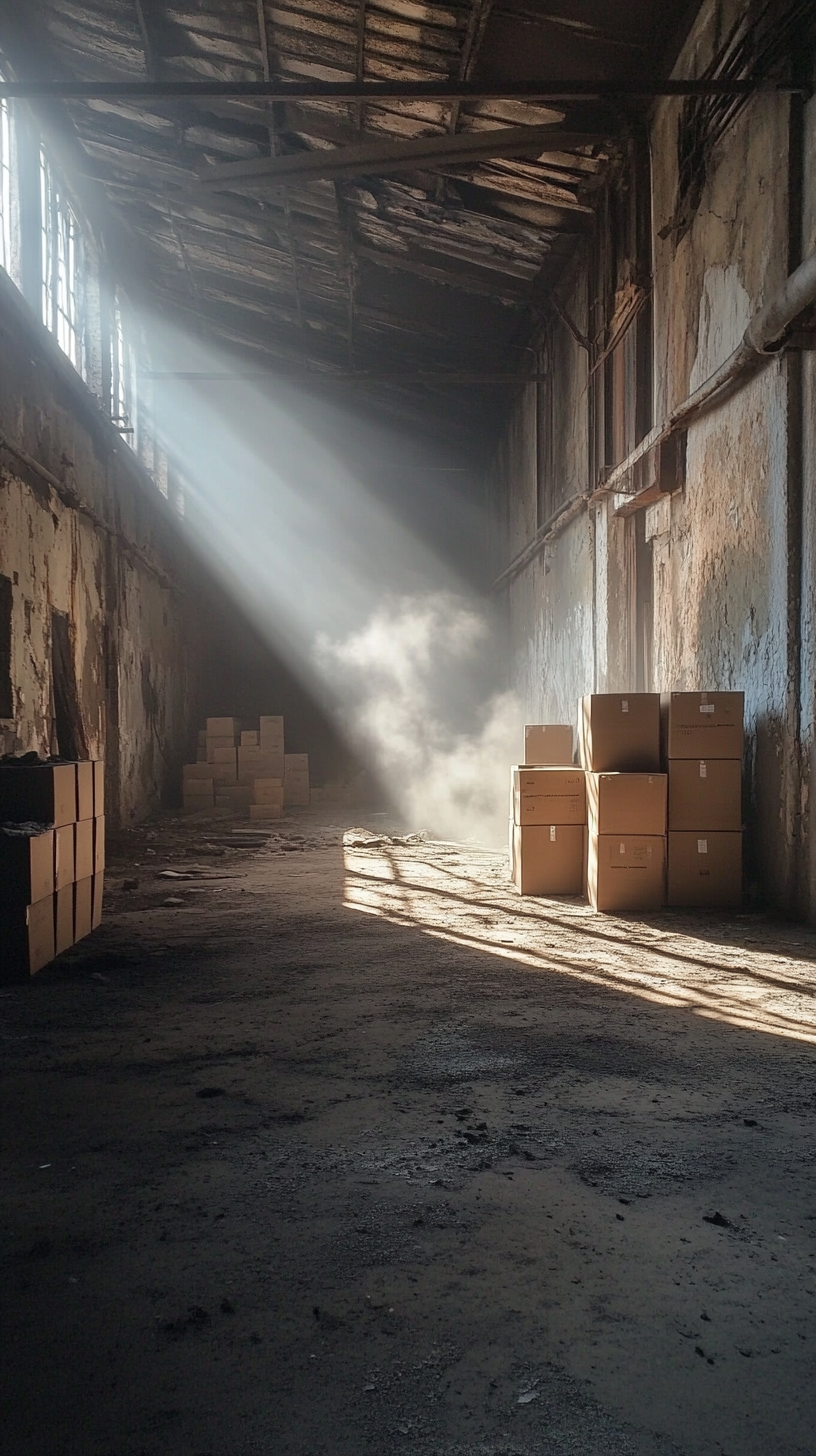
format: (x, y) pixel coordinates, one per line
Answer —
(6, 692)
(71, 742)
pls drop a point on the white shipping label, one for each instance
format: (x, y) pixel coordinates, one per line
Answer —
(552, 831)
(624, 705)
(622, 848)
(703, 769)
(702, 846)
(706, 707)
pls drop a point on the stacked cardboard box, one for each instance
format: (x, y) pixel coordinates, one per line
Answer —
(547, 829)
(245, 771)
(619, 740)
(547, 745)
(52, 859)
(703, 743)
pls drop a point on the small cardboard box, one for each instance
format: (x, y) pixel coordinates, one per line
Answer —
(705, 869)
(97, 896)
(270, 733)
(99, 845)
(41, 793)
(28, 939)
(63, 919)
(619, 732)
(626, 872)
(193, 771)
(27, 864)
(83, 907)
(223, 728)
(626, 803)
(249, 738)
(705, 793)
(547, 859)
(99, 786)
(549, 796)
(85, 790)
(64, 856)
(84, 849)
(548, 745)
(260, 812)
(702, 725)
(220, 750)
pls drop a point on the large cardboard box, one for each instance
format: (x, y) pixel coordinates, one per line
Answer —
(83, 907)
(705, 793)
(63, 919)
(267, 791)
(549, 795)
(233, 796)
(705, 869)
(619, 732)
(626, 803)
(97, 895)
(547, 859)
(64, 856)
(223, 728)
(225, 773)
(99, 845)
(41, 793)
(626, 872)
(191, 771)
(27, 863)
(85, 790)
(261, 812)
(548, 744)
(28, 939)
(84, 849)
(220, 751)
(702, 725)
(270, 734)
(99, 786)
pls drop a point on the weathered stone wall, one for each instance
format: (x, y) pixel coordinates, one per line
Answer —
(731, 606)
(117, 567)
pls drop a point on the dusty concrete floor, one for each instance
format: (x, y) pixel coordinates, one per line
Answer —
(354, 1152)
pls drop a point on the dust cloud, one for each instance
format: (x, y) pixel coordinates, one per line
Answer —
(414, 691)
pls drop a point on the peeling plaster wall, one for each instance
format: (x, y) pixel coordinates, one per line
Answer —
(134, 648)
(730, 608)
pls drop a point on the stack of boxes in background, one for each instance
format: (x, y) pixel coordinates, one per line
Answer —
(548, 815)
(245, 772)
(662, 786)
(703, 742)
(52, 859)
(619, 739)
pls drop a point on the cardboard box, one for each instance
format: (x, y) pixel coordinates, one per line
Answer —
(296, 763)
(264, 766)
(28, 939)
(197, 771)
(39, 793)
(99, 845)
(220, 750)
(705, 793)
(99, 786)
(626, 872)
(85, 790)
(198, 789)
(84, 849)
(270, 733)
(549, 796)
(267, 791)
(703, 725)
(705, 869)
(260, 812)
(97, 895)
(547, 859)
(27, 863)
(64, 856)
(626, 803)
(223, 728)
(225, 774)
(548, 744)
(619, 732)
(83, 907)
(249, 739)
(63, 919)
(235, 796)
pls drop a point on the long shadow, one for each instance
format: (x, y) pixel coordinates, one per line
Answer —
(581, 928)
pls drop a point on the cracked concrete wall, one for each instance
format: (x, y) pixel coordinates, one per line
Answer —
(731, 607)
(119, 571)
